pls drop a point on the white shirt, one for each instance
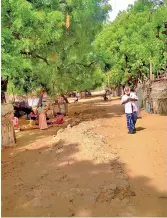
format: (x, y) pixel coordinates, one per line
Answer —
(131, 105)
(33, 102)
(134, 103)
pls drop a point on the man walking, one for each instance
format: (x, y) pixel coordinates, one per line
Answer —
(131, 110)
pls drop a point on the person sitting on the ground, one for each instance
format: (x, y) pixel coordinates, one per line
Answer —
(34, 115)
(59, 120)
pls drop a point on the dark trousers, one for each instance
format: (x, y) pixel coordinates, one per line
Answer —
(131, 121)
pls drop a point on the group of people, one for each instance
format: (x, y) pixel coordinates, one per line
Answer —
(60, 109)
(39, 116)
(81, 95)
(130, 102)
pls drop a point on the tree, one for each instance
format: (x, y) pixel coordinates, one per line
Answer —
(130, 42)
(50, 42)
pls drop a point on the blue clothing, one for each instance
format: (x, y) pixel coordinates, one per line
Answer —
(135, 115)
(131, 121)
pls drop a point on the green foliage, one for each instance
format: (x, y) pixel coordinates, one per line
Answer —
(115, 76)
(38, 49)
(133, 40)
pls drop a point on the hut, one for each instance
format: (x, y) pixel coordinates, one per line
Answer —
(158, 97)
(153, 96)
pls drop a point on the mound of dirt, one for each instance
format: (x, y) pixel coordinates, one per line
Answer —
(73, 168)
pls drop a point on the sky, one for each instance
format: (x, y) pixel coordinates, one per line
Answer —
(119, 5)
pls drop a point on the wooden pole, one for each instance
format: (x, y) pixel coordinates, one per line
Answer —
(151, 77)
(108, 79)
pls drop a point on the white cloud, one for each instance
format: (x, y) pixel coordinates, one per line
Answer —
(119, 5)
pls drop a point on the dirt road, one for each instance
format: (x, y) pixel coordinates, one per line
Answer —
(93, 168)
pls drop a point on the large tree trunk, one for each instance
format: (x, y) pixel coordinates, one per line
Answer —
(8, 134)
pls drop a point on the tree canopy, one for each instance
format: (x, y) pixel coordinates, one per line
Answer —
(135, 38)
(50, 43)
(65, 44)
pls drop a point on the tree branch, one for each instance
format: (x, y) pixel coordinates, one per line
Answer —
(158, 35)
(16, 35)
(35, 56)
(42, 58)
(86, 65)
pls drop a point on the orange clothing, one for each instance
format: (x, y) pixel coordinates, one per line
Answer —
(42, 121)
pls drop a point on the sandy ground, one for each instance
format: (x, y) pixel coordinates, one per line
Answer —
(93, 168)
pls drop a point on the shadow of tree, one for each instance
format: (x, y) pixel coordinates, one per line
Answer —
(59, 180)
(85, 111)
(44, 177)
(25, 138)
(94, 110)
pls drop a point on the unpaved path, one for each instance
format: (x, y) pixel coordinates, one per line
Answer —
(92, 169)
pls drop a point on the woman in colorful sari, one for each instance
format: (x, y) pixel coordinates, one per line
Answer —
(42, 119)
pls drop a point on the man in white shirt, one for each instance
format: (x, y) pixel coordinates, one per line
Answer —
(131, 110)
(77, 97)
(136, 102)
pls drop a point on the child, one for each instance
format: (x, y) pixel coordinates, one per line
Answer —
(59, 119)
(15, 122)
(34, 114)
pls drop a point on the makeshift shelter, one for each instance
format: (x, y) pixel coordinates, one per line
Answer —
(158, 97)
